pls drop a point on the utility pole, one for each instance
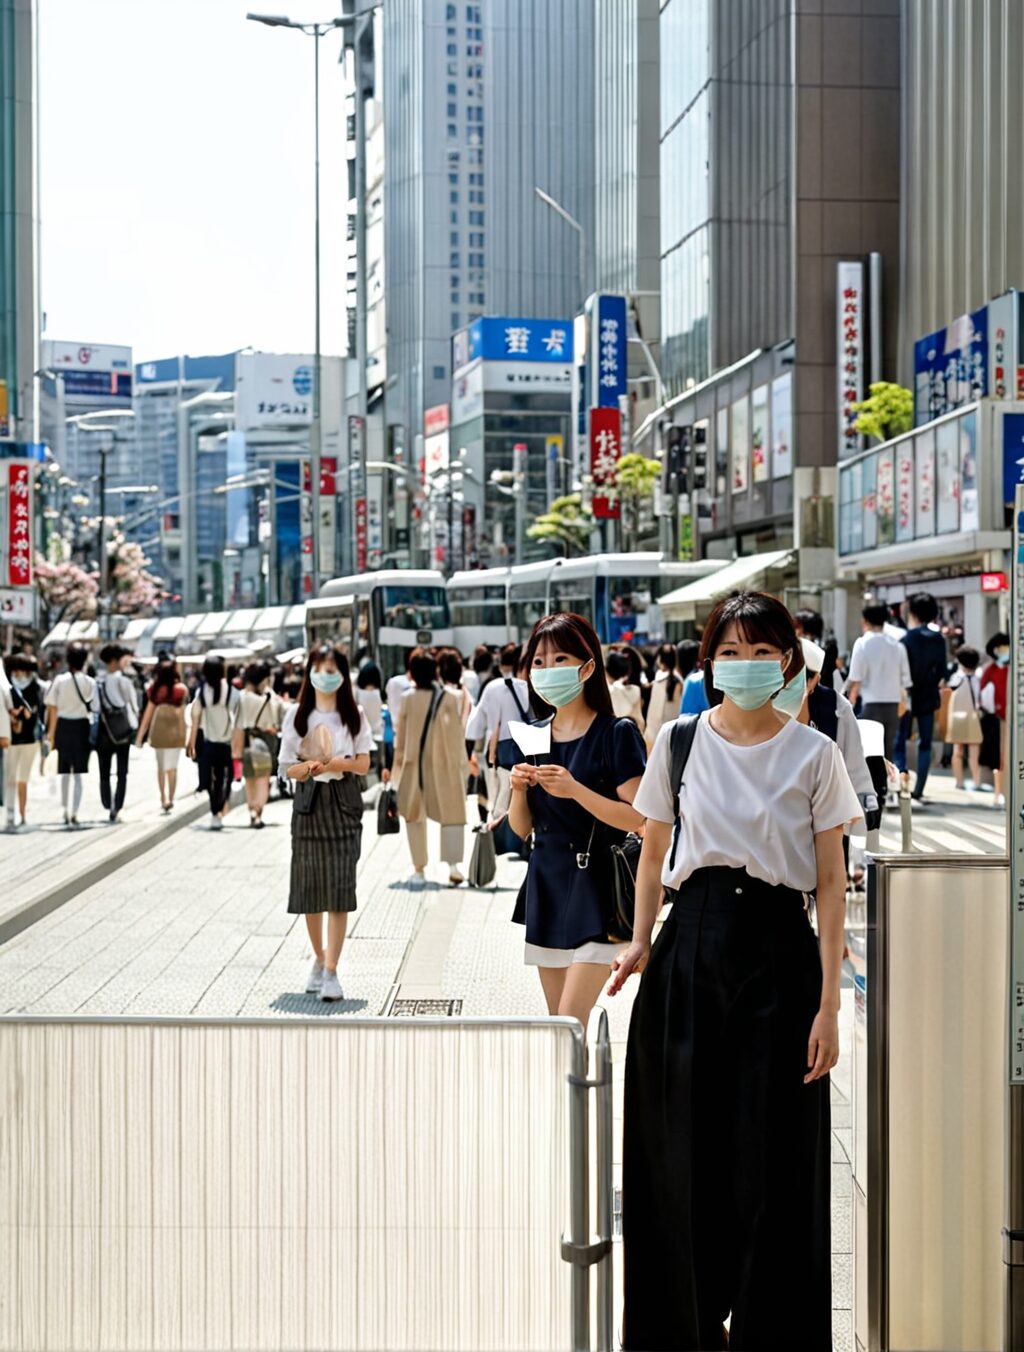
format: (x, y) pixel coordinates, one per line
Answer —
(316, 431)
(104, 564)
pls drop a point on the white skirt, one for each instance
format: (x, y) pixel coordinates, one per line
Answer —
(602, 954)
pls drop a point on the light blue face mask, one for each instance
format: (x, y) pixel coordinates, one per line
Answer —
(791, 697)
(557, 685)
(749, 684)
(326, 682)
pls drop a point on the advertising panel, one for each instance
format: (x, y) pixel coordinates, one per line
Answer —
(1013, 454)
(526, 377)
(62, 357)
(850, 351)
(721, 452)
(501, 339)
(605, 452)
(374, 520)
(760, 441)
(968, 436)
(1005, 372)
(608, 350)
(19, 524)
(951, 366)
(905, 469)
(436, 453)
(739, 444)
(435, 420)
(273, 390)
(869, 499)
(362, 542)
(468, 394)
(17, 605)
(947, 479)
(885, 498)
(5, 411)
(924, 493)
(782, 426)
(855, 536)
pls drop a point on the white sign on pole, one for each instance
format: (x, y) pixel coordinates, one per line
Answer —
(273, 390)
(17, 605)
(84, 356)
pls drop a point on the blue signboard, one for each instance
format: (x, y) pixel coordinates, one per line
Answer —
(23, 450)
(951, 367)
(110, 388)
(287, 530)
(501, 339)
(1013, 454)
(608, 327)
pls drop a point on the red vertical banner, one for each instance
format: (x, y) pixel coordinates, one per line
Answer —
(360, 535)
(605, 453)
(19, 524)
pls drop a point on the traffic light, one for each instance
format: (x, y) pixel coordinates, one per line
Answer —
(700, 456)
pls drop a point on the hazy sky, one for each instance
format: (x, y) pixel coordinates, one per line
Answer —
(177, 176)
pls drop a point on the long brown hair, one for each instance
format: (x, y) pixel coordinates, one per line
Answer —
(760, 618)
(574, 635)
(348, 709)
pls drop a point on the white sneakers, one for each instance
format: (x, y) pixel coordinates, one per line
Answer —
(216, 823)
(331, 988)
(315, 979)
(418, 882)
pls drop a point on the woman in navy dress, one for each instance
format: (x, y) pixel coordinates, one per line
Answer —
(577, 804)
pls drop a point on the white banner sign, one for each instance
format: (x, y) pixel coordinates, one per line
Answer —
(468, 394)
(527, 377)
(273, 390)
(17, 605)
(850, 312)
(84, 356)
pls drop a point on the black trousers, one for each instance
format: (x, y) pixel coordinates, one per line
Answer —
(726, 1153)
(215, 759)
(106, 753)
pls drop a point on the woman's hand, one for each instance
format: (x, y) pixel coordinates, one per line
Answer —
(385, 776)
(631, 959)
(523, 777)
(823, 1045)
(556, 780)
(191, 752)
(314, 768)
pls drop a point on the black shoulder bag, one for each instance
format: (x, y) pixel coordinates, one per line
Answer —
(626, 855)
(508, 754)
(114, 719)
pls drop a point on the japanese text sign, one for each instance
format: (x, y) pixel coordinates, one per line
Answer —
(607, 375)
(849, 351)
(19, 524)
(605, 452)
(497, 338)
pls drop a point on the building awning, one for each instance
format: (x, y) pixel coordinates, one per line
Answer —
(168, 629)
(134, 630)
(749, 573)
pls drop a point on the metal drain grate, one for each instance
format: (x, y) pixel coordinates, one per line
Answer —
(425, 1009)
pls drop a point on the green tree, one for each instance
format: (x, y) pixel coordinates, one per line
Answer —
(566, 524)
(635, 479)
(887, 412)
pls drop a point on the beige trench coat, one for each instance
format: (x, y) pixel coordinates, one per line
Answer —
(442, 796)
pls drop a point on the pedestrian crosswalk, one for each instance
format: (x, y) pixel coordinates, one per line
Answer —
(948, 828)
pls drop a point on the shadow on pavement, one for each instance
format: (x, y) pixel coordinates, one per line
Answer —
(312, 1005)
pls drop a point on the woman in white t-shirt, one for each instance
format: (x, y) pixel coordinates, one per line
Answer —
(69, 711)
(214, 713)
(325, 747)
(726, 1149)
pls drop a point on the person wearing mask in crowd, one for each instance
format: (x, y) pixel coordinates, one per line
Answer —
(503, 700)
(163, 722)
(260, 716)
(727, 1142)
(879, 675)
(26, 726)
(993, 688)
(449, 669)
(578, 804)
(397, 686)
(116, 711)
(430, 769)
(626, 696)
(370, 698)
(694, 700)
(965, 717)
(325, 748)
(666, 694)
(69, 710)
(926, 653)
(214, 713)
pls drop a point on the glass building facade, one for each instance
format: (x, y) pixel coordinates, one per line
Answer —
(19, 305)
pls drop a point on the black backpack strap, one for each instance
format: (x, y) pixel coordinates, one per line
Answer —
(680, 743)
(511, 686)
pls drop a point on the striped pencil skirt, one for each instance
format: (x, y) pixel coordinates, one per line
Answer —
(326, 844)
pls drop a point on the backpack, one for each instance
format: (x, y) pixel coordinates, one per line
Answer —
(823, 708)
(681, 744)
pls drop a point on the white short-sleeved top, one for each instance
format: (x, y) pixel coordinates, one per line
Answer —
(882, 667)
(69, 701)
(753, 807)
(343, 743)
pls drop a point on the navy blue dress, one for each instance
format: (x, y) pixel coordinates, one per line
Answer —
(566, 905)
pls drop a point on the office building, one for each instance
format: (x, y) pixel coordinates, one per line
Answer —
(19, 272)
(778, 162)
(483, 102)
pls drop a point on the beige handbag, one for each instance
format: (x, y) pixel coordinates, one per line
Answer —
(965, 724)
(167, 727)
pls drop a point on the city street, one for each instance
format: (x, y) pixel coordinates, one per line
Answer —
(194, 923)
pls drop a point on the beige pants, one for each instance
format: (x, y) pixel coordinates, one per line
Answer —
(453, 844)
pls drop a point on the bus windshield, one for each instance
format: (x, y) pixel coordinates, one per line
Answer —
(409, 607)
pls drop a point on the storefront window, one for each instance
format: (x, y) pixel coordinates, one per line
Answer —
(760, 438)
(969, 517)
(924, 496)
(905, 490)
(739, 444)
(721, 452)
(947, 478)
(869, 516)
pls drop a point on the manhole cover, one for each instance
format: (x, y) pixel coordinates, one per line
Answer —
(425, 1009)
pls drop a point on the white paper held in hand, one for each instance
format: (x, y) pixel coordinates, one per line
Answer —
(531, 739)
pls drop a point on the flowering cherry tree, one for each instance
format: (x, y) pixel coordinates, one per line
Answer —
(133, 590)
(66, 592)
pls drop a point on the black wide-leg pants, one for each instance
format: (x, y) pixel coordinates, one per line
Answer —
(726, 1152)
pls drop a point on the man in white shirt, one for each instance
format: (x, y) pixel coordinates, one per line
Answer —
(495, 708)
(395, 689)
(879, 675)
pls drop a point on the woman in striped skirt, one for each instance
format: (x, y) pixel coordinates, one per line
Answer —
(325, 746)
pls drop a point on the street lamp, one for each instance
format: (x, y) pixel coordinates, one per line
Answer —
(557, 207)
(316, 31)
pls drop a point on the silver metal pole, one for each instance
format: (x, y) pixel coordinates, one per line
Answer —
(602, 1064)
(360, 185)
(186, 506)
(316, 432)
(579, 1135)
(1013, 1231)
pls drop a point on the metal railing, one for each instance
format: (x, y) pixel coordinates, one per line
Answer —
(356, 1184)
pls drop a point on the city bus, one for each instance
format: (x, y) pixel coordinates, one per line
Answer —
(386, 612)
(618, 593)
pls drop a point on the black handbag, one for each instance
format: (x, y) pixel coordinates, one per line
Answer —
(388, 823)
(305, 796)
(483, 862)
(114, 720)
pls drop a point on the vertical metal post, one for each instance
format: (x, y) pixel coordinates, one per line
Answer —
(601, 1054)
(316, 431)
(102, 546)
(579, 1203)
(360, 186)
(1013, 1231)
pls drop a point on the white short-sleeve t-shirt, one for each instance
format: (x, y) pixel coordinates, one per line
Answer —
(71, 695)
(753, 807)
(343, 743)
